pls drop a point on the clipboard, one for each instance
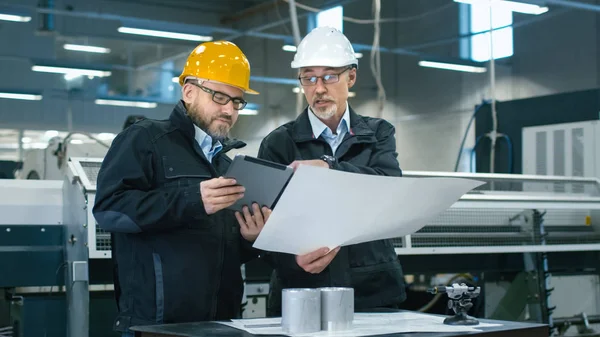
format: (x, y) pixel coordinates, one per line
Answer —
(264, 181)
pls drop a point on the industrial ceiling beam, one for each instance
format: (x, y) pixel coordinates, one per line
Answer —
(246, 13)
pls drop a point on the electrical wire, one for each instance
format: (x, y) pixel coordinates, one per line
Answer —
(61, 151)
(387, 20)
(376, 56)
(510, 153)
(285, 27)
(462, 143)
(297, 38)
(471, 168)
(61, 266)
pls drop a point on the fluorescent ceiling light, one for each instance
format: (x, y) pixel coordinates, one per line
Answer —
(14, 18)
(50, 133)
(71, 76)
(71, 71)
(297, 90)
(133, 104)
(175, 79)
(514, 6)
(76, 141)
(26, 140)
(163, 34)
(27, 97)
(351, 94)
(88, 49)
(35, 146)
(358, 55)
(249, 112)
(452, 66)
(289, 47)
(105, 136)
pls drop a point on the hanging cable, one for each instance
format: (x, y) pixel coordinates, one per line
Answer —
(494, 133)
(462, 143)
(296, 34)
(376, 57)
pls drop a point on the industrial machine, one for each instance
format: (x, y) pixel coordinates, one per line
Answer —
(519, 238)
(50, 163)
(59, 264)
(531, 242)
(567, 149)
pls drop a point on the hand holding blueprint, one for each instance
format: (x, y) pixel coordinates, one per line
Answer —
(329, 208)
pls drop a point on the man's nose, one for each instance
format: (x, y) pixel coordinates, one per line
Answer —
(320, 86)
(228, 108)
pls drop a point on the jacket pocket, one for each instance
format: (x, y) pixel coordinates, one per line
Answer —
(375, 285)
(159, 286)
(371, 253)
(175, 168)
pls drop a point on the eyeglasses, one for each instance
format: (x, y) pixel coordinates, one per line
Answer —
(222, 98)
(327, 79)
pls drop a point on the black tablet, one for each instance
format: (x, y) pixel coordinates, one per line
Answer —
(264, 180)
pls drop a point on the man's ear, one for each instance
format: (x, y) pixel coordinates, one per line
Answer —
(187, 93)
(351, 77)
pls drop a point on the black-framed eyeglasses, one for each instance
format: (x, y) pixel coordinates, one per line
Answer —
(222, 98)
(327, 79)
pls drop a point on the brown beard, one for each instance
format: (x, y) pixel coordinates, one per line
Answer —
(216, 132)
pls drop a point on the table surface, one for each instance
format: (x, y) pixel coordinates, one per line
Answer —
(204, 329)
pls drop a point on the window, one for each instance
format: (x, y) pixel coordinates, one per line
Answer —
(475, 19)
(332, 17)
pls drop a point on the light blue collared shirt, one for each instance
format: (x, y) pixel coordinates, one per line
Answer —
(320, 129)
(205, 142)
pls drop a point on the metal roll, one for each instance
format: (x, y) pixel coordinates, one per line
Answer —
(337, 308)
(301, 310)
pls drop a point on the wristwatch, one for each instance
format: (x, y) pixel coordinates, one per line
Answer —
(330, 160)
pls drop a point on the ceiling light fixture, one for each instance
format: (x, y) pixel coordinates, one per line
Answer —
(289, 47)
(452, 66)
(513, 6)
(72, 72)
(26, 97)
(87, 49)
(132, 104)
(164, 34)
(14, 18)
(248, 112)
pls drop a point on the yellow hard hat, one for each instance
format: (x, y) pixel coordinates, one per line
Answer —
(219, 61)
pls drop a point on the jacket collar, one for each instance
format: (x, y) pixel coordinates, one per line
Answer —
(302, 129)
(182, 121)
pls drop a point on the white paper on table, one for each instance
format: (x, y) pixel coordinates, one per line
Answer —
(330, 208)
(364, 324)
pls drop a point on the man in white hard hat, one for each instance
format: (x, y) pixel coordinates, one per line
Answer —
(329, 134)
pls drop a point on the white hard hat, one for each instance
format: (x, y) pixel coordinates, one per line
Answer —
(324, 47)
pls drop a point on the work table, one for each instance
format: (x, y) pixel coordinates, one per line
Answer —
(213, 329)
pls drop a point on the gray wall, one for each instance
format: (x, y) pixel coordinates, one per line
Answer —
(429, 107)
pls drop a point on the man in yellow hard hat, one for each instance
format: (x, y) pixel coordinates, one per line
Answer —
(161, 194)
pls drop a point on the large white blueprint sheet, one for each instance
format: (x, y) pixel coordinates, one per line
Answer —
(330, 208)
(364, 324)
